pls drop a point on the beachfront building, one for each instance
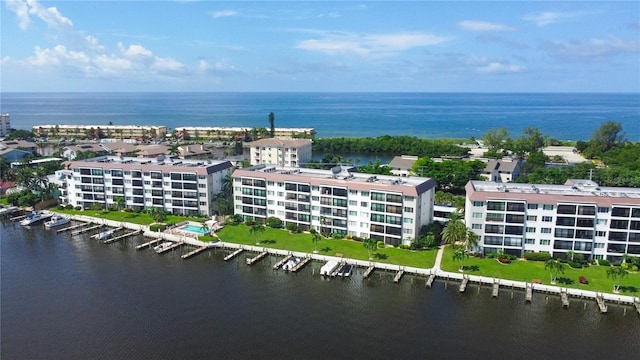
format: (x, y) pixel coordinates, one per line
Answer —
(283, 152)
(580, 216)
(342, 201)
(5, 124)
(239, 133)
(137, 132)
(184, 187)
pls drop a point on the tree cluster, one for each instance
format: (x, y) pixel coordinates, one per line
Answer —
(450, 175)
(407, 145)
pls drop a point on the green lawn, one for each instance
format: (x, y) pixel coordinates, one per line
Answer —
(523, 270)
(130, 217)
(283, 239)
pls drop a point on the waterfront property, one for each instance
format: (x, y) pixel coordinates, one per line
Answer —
(99, 131)
(5, 124)
(184, 187)
(211, 133)
(338, 201)
(283, 152)
(580, 216)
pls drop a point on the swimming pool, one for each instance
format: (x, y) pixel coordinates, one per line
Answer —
(194, 229)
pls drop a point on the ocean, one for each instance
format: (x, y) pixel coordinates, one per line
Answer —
(429, 115)
(72, 297)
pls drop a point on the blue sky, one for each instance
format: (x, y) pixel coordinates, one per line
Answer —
(423, 46)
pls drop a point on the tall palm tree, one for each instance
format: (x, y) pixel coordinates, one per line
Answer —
(371, 245)
(454, 230)
(121, 203)
(157, 214)
(174, 149)
(315, 237)
(459, 255)
(614, 273)
(256, 230)
(555, 267)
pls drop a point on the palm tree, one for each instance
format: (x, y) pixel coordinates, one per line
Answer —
(472, 240)
(157, 214)
(121, 203)
(455, 230)
(555, 267)
(256, 229)
(315, 237)
(459, 255)
(570, 255)
(205, 229)
(371, 245)
(614, 273)
(174, 149)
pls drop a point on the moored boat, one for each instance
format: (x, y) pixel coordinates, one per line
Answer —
(291, 264)
(56, 220)
(104, 234)
(165, 245)
(35, 217)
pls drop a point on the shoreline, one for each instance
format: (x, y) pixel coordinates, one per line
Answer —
(425, 272)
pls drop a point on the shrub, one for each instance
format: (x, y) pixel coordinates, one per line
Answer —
(157, 227)
(78, 208)
(380, 244)
(537, 256)
(603, 262)
(575, 264)
(625, 266)
(274, 222)
(634, 268)
(292, 227)
(336, 236)
(69, 207)
(491, 255)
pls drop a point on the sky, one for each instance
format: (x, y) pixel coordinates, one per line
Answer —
(320, 46)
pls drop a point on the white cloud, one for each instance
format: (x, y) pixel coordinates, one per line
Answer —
(471, 25)
(5, 60)
(167, 65)
(368, 44)
(134, 51)
(552, 17)
(223, 13)
(595, 49)
(50, 15)
(496, 67)
(21, 9)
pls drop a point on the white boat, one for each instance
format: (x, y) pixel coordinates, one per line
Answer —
(56, 220)
(8, 210)
(35, 217)
(104, 234)
(165, 245)
(289, 265)
(328, 268)
(346, 270)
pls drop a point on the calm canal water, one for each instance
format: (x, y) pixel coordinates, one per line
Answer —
(67, 297)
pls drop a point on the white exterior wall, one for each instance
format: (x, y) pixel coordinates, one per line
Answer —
(5, 124)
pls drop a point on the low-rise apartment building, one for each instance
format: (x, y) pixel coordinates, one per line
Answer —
(580, 216)
(385, 208)
(283, 152)
(184, 187)
(99, 131)
(215, 132)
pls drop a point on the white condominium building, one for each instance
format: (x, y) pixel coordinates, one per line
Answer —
(293, 153)
(5, 124)
(580, 216)
(385, 208)
(99, 131)
(215, 132)
(184, 187)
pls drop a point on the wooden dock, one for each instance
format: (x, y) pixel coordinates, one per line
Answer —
(398, 276)
(529, 293)
(256, 258)
(463, 285)
(233, 254)
(301, 264)
(601, 304)
(114, 239)
(77, 232)
(279, 264)
(149, 244)
(368, 272)
(18, 218)
(194, 252)
(73, 227)
(496, 288)
(565, 298)
(175, 245)
(430, 280)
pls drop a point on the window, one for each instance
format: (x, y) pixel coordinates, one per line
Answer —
(532, 218)
(529, 241)
(532, 206)
(545, 242)
(599, 245)
(364, 204)
(478, 203)
(603, 210)
(601, 233)
(353, 213)
(476, 226)
(408, 220)
(495, 205)
(547, 219)
(620, 212)
(477, 215)
(601, 222)
(545, 230)
(547, 207)
(408, 209)
(531, 229)
(353, 203)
